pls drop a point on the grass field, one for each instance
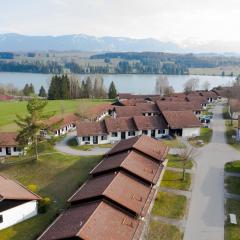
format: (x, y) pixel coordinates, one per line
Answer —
(176, 162)
(232, 232)
(232, 166)
(217, 71)
(57, 176)
(163, 231)
(172, 179)
(169, 205)
(9, 109)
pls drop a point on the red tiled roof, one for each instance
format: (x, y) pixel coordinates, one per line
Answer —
(181, 119)
(5, 97)
(12, 190)
(8, 139)
(127, 111)
(96, 220)
(134, 162)
(144, 144)
(120, 124)
(99, 109)
(175, 106)
(119, 187)
(62, 121)
(91, 128)
(150, 122)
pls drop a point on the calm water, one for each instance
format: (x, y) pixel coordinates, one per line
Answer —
(139, 84)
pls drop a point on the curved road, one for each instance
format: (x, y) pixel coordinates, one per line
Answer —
(64, 148)
(206, 213)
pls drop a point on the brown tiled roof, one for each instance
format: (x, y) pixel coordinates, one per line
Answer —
(150, 122)
(96, 220)
(181, 119)
(132, 102)
(12, 190)
(127, 111)
(91, 128)
(120, 124)
(62, 121)
(8, 139)
(199, 99)
(208, 94)
(147, 107)
(118, 187)
(134, 162)
(99, 109)
(144, 144)
(175, 106)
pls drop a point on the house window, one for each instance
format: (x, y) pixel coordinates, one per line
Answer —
(145, 132)
(161, 131)
(131, 133)
(86, 139)
(1, 218)
(104, 137)
(15, 149)
(114, 134)
(0, 149)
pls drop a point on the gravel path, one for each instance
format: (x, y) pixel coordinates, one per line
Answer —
(64, 148)
(206, 213)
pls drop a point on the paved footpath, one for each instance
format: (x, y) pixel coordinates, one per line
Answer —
(206, 213)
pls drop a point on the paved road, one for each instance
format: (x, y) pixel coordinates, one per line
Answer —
(206, 213)
(64, 148)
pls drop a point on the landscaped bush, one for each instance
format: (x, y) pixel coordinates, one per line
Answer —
(44, 205)
(33, 188)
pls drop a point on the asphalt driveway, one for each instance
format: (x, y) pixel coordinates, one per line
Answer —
(206, 213)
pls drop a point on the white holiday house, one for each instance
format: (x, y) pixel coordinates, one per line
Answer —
(16, 203)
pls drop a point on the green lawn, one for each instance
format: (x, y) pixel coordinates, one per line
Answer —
(73, 144)
(9, 109)
(163, 231)
(169, 205)
(172, 179)
(205, 136)
(233, 185)
(57, 176)
(232, 167)
(175, 161)
(230, 131)
(174, 143)
(232, 232)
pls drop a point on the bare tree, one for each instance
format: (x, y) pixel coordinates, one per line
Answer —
(206, 85)
(162, 84)
(233, 107)
(83, 111)
(191, 85)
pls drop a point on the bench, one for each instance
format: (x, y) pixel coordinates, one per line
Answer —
(233, 218)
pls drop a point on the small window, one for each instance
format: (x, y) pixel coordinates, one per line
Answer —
(145, 132)
(15, 149)
(131, 133)
(0, 149)
(1, 218)
(104, 137)
(85, 139)
(114, 134)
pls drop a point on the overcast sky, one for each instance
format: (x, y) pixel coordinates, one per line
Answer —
(175, 20)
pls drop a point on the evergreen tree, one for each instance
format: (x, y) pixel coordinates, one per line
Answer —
(26, 90)
(112, 92)
(89, 88)
(31, 89)
(32, 123)
(42, 92)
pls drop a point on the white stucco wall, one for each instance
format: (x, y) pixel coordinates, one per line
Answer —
(13, 153)
(18, 214)
(190, 132)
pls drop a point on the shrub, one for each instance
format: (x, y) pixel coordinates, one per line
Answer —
(33, 188)
(44, 205)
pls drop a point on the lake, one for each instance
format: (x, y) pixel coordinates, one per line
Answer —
(132, 83)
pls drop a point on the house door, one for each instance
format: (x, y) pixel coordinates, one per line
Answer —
(153, 133)
(95, 139)
(8, 150)
(123, 135)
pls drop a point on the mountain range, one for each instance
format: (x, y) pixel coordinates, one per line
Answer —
(80, 42)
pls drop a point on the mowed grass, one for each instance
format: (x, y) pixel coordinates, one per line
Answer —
(57, 176)
(163, 231)
(233, 166)
(232, 232)
(9, 109)
(172, 179)
(169, 205)
(232, 185)
(175, 161)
